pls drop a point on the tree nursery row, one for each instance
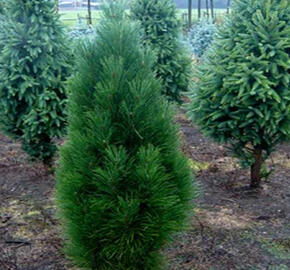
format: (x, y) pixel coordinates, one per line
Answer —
(99, 112)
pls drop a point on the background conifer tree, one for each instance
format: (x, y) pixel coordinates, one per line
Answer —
(123, 185)
(242, 95)
(33, 69)
(162, 29)
(1, 19)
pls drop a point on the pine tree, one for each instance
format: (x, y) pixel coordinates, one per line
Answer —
(159, 21)
(33, 69)
(242, 95)
(123, 185)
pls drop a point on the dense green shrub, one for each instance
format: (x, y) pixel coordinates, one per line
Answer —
(159, 21)
(33, 69)
(123, 185)
(242, 95)
(201, 36)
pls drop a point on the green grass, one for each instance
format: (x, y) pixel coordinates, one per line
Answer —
(70, 17)
(203, 11)
(278, 248)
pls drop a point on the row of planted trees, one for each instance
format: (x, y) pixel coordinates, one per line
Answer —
(123, 186)
(36, 61)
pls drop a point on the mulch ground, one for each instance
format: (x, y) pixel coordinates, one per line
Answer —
(232, 228)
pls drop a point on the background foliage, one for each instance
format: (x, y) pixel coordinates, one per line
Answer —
(81, 30)
(201, 36)
(162, 30)
(34, 65)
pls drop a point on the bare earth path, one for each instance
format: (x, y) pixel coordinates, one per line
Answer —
(232, 228)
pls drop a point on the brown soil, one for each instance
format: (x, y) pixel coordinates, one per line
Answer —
(233, 227)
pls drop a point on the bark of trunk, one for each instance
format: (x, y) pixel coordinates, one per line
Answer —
(211, 9)
(199, 9)
(256, 168)
(228, 6)
(47, 161)
(207, 10)
(89, 13)
(189, 13)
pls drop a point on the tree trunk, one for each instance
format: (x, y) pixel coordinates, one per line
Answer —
(199, 9)
(211, 9)
(89, 13)
(256, 168)
(47, 161)
(228, 6)
(207, 10)
(189, 13)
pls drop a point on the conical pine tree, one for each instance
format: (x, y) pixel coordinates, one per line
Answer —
(242, 94)
(34, 65)
(123, 186)
(162, 30)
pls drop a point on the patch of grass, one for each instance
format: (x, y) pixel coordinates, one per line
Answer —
(280, 248)
(197, 165)
(279, 267)
(70, 17)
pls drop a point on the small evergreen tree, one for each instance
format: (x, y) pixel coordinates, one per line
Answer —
(123, 185)
(33, 69)
(242, 95)
(201, 36)
(162, 29)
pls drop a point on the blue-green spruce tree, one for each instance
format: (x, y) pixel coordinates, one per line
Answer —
(242, 94)
(201, 36)
(123, 186)
(34, 65)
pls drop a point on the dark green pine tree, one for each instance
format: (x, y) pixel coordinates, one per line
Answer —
(242, 94)
(162, 29)
(34, 65)
(123, 186)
